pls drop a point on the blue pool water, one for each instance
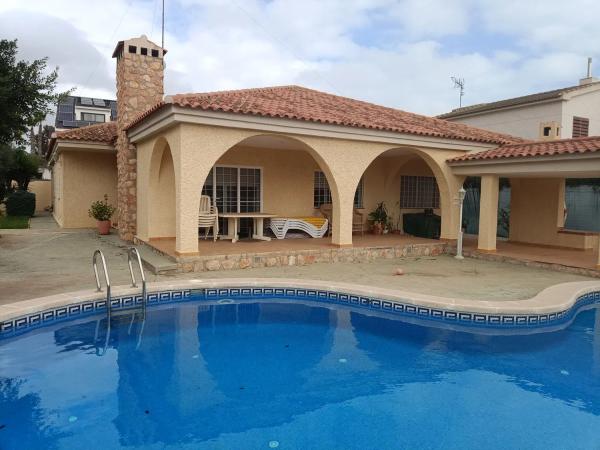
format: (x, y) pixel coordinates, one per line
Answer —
(260, 375)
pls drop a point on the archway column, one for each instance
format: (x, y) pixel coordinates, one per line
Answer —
(343, 210)
(344, 163)
(144, 155)
(198, 151)
(488, 213)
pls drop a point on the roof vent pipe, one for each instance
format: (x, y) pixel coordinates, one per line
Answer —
(589, 78)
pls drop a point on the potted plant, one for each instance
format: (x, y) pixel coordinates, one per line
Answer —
(379, 217)
(102, 212)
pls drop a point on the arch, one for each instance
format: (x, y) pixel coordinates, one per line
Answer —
(436, 165)
(265, 142)
(161, 192)
(300, 145)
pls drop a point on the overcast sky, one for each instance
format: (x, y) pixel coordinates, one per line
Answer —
(396, 53)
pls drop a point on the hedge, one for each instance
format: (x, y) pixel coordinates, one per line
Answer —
(20, 203)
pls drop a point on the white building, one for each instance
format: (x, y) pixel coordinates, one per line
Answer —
(562, 113)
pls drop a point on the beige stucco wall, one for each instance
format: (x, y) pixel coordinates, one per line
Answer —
(382, 183)
(288, 177)
(537, 213)
(43, 193)
(81, 177)
(585, 105)
(523, 121)
(196, 148)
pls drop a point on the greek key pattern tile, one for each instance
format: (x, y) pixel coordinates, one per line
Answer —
(39, 319)
(31, 321)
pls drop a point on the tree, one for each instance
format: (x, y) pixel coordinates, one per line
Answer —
(26, 93)
(16, 165)
(39, 142)
(7, 162)
(25, 168)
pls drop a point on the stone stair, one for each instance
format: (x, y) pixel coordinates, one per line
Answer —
(153, 262)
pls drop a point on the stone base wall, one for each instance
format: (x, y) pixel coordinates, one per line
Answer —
(305, 257)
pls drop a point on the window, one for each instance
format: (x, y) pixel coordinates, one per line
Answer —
(322, 194)
(132, 49)
(419, 192)
(581, 127)
(547, 131)
(91, 117)
(155, 53)
(143, 50)
(234, 189)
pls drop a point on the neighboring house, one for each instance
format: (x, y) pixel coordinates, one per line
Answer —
(76, 112)
(562, 113)
(285, 150)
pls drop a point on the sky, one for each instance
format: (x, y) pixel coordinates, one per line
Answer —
(400, 54)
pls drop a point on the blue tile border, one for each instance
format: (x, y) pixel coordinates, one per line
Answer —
(39, 319)
(35, 320)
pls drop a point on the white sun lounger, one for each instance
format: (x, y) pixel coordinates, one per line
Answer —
(313, 226)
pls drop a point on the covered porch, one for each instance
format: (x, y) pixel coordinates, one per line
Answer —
(537, 174)
(245, 247)
(584, 262)
(287, 175)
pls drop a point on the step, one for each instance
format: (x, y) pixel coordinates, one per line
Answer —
(155, 263)
(152, 261)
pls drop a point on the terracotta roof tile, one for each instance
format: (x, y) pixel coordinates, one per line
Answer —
(533, 149)
(299, 103)
(102, 132)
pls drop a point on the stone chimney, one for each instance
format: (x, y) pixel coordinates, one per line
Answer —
(140, 70)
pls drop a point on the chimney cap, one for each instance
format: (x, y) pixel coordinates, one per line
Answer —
(141, 41)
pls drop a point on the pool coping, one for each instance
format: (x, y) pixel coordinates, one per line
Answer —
(554, 299)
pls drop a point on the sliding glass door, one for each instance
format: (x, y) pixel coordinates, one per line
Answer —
(235, 189)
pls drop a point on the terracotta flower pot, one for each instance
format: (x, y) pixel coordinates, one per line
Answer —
(377, 228)
(103, 226)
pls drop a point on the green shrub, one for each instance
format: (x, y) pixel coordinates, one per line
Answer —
(20, 203)
(101, 210)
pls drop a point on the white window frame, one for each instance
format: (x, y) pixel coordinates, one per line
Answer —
(238, 167)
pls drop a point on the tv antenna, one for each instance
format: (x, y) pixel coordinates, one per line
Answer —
(459, 83)
(162, 34)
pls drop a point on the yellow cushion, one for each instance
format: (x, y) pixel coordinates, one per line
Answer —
(315, 221)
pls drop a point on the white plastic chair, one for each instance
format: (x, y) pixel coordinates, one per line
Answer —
(208, 217)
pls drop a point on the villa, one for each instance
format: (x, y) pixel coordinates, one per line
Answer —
(431, 351)
(285, 151)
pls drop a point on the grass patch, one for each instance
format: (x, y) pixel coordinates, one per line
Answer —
(13, 222)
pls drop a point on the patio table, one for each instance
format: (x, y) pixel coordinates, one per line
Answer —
(258, 219)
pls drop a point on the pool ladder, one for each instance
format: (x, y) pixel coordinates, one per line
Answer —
(132, 254)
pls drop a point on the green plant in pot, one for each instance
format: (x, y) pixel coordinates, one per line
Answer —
(379, 217)
(102, 212)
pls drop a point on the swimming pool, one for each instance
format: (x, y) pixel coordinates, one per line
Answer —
(226, 372)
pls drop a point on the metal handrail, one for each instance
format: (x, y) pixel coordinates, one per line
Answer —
(131, 253)
(106, 277)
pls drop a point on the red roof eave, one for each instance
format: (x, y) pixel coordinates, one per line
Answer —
(572, 146)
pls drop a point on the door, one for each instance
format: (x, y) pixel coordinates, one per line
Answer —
(235, 189)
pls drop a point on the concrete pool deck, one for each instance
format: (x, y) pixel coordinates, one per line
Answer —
(45, 260)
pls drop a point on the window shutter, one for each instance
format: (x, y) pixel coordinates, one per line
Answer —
(581, 127)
